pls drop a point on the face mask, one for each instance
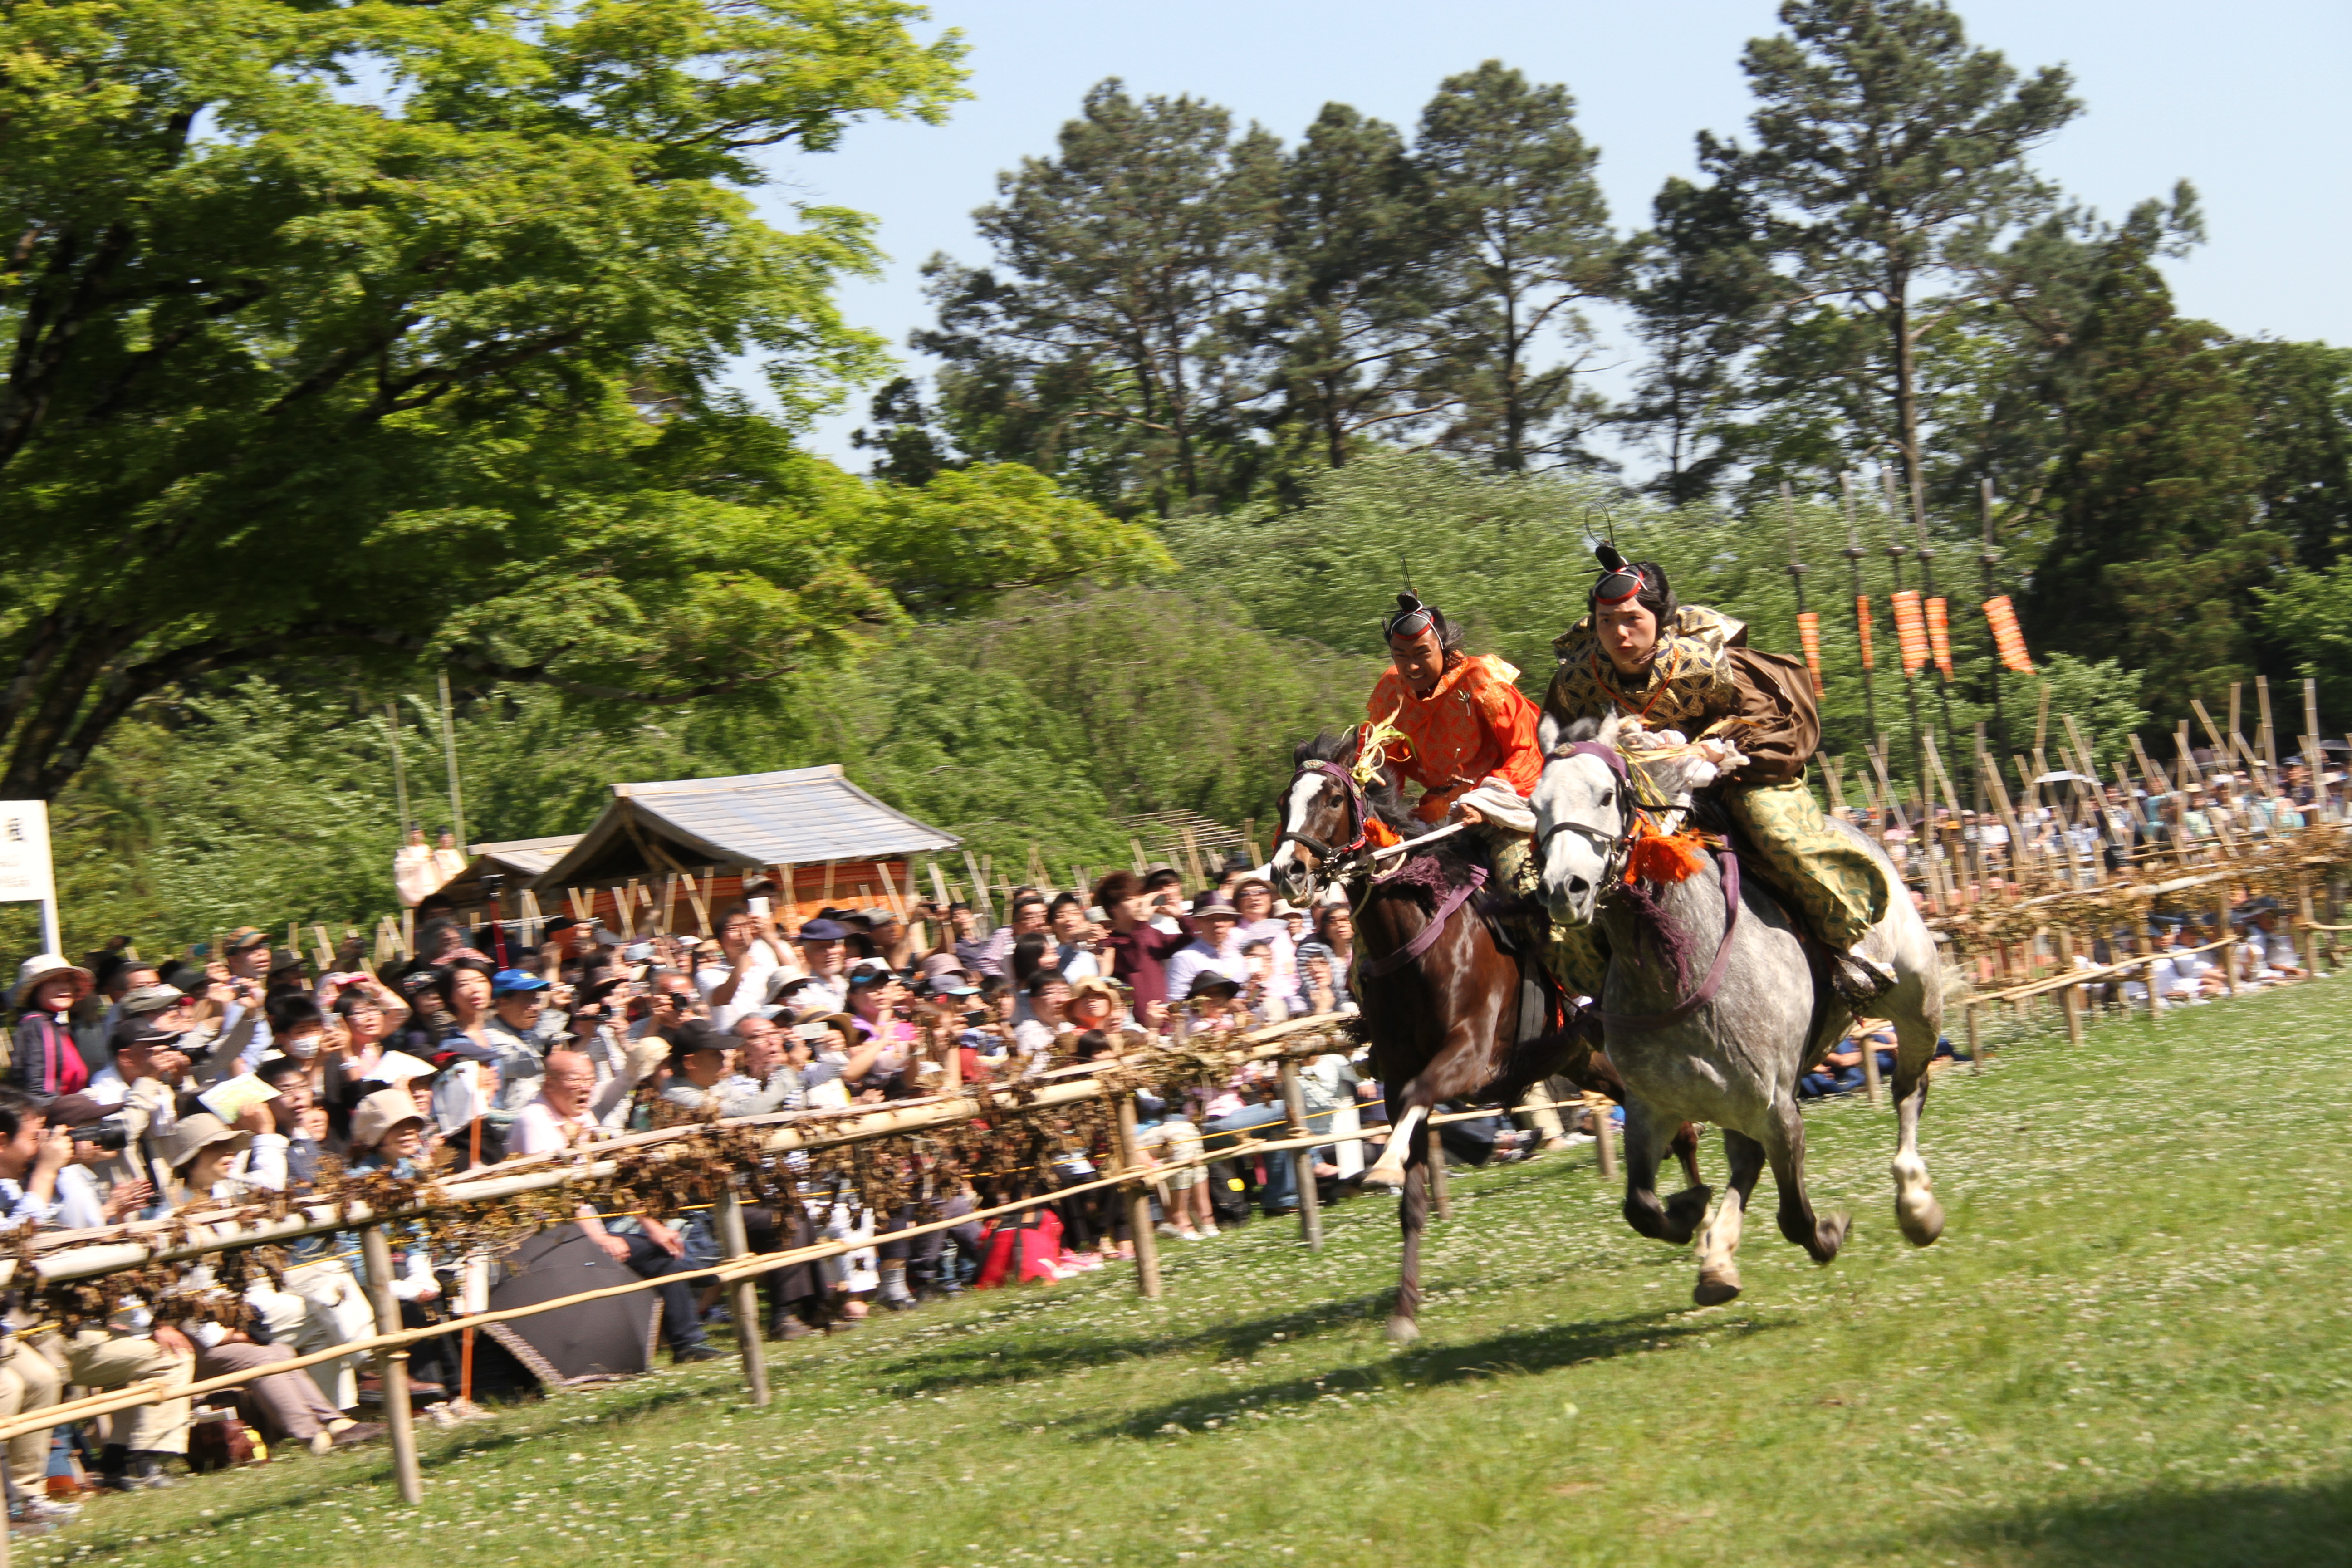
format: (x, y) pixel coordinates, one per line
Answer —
(303, 1049)
(208, 1335)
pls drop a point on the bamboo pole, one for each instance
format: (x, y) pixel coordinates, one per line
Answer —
(449, 753)
(1869, 1083)
(1604, 1137)
(1310, 1200)
(2270, 733)
(2070, 996)
(1138, 1205)
(391, 1365)
(744, 1293)
(399, 768)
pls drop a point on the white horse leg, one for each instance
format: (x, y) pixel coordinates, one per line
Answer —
(1917, 1211)
(1389, 1170)
(1718, 1245)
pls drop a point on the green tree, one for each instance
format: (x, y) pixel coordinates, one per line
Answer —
(439, 375)
(2300, 397)
(2307, 616)
(1891, 153)
(2154, 556)
(1697, 282)
(1115, 348)
(1346, 323)
(1525, 240)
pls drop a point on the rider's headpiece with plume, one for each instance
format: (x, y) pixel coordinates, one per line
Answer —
(1619, 580)
(1412, 617)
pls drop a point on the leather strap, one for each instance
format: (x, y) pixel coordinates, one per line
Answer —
(1640, 1023)
(1426, 937)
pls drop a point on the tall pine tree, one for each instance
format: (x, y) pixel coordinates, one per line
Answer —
(1114, 347)
(2155, 554)
(1525, 239)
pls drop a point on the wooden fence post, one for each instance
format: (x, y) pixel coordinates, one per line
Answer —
(2222, 929)
(1604, 1137)
(392, 1366)
(1302, 1161)
(745, 1302)
(1869, 1071)
(1441, 1190)
(1975, 1038)
(1138, 1205)
(2070, 995)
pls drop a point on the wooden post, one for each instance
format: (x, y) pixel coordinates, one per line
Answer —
(407, 934)
(1302, 1161)
(2270, 733)
(1870, 1071)
(1139, 1205)
(2155, 1001)
(2222, 929)
(1604, 1137)
(2070, 996)
(392, 1366)
(744, 1304)
(1441, 1190)
(1976, 1038)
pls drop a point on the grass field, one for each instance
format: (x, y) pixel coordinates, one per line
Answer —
(2130, 1348)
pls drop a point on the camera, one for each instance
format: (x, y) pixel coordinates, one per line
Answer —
(109, 1135)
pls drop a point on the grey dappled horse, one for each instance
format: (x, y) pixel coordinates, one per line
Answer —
(1733, 1059)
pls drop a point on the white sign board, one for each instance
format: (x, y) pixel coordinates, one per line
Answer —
(25, 871)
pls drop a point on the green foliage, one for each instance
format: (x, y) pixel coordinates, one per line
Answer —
(2308, 616)
(313, 362)
(2154, 556)
(2299, 397)
(1523, 237)
(1111, 351)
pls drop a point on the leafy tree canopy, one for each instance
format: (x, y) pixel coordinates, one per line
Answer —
(430, 364)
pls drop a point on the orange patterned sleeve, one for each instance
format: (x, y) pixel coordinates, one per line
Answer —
(1511, 725)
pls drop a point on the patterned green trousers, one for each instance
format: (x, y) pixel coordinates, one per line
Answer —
(1837, 888)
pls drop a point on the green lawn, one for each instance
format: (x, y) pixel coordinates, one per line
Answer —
(2130, 1348)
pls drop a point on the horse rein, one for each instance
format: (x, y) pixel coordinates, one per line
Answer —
(1612, 849)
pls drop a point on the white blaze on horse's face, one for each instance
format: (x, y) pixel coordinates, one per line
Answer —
(1291, 871)
(1579, 792)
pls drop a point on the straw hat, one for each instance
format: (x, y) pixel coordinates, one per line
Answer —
(373, 1119)
(199, 1133)
(48, 966)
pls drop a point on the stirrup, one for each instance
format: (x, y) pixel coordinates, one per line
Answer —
(1859, 981)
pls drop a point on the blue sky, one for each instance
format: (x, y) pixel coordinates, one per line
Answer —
(2246, 100)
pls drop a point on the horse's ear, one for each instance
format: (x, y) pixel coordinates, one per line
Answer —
(1548, 733)
(1606, 734)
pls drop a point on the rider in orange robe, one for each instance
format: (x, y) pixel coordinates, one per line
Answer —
(1469, 734)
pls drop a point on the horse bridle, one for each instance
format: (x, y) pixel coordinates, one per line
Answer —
(1360, 819)
(1611, 847)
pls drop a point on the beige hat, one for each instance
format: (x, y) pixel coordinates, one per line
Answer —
(199, 1133)
(374, 1118)
(48, 966)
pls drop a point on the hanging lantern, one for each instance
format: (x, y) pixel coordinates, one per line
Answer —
(2008, 639)
(1939, 636)
(1809, 632)
(1862, 624)
(1910, 631)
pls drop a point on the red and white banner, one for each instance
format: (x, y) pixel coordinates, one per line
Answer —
(1910, 631)
(1809, 632)
(2007, 638)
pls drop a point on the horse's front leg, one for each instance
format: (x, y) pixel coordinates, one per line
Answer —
(1673, 1223)
(1412, 1217)
(1718, 1247)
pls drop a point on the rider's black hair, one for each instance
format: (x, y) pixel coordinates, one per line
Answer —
(1412, 617)
(1656, 595)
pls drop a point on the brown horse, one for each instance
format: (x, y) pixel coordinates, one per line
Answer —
(1445, 1005)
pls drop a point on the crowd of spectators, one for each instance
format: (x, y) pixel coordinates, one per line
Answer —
(138, 1090)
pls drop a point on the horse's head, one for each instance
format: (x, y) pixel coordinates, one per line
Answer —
(1583, 810)
(1323, 813)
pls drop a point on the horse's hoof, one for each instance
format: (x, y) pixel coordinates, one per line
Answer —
(1921, 1217)
(1829, 1236)
(1388, 1178)
(1714, 1288)
(1403, 1330)
(1685, 1211)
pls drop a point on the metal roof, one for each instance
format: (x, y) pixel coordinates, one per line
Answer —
(799, 817)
